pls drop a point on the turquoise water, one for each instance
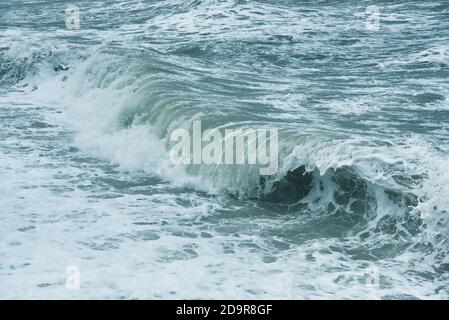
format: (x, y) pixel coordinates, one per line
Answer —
(86, 179)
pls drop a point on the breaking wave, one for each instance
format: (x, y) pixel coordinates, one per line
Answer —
(123, 110)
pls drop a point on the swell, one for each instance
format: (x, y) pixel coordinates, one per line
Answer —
(106, 95)
(123, 110)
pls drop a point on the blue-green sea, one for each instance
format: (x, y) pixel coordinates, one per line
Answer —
(358, 92)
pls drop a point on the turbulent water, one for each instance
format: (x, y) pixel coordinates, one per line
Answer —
(358, 207)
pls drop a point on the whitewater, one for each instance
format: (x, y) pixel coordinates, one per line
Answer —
(358, 208)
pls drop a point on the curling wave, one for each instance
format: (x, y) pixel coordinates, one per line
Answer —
(123, 110)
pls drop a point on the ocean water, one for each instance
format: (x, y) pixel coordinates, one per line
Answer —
(358, 207)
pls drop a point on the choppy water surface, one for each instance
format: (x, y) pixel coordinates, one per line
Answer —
(85, 177)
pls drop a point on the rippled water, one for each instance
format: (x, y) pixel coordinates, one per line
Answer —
(360, 197)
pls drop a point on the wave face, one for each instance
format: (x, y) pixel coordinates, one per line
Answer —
(363, 146)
